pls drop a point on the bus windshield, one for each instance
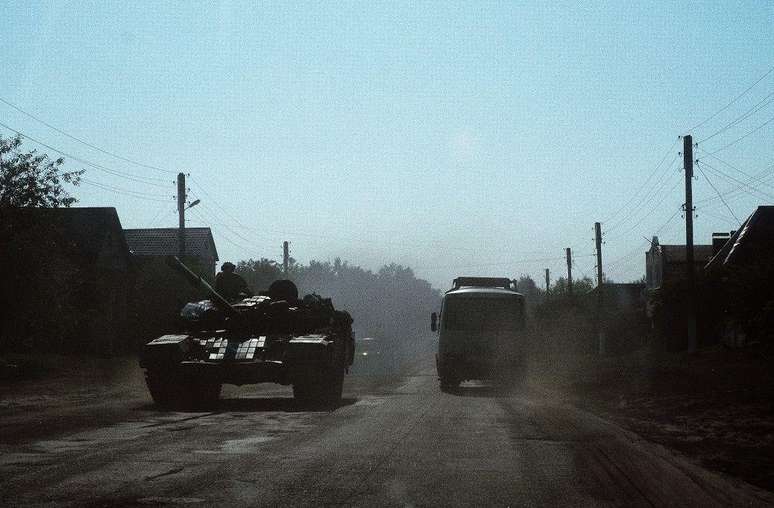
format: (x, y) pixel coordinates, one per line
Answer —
(478, 314)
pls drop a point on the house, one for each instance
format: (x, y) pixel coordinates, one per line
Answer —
(668, 263)
(623, 315)
(67, 280)
(744, 270)
(158, 243)
(752, 244)
(162, 291)
(618, 296)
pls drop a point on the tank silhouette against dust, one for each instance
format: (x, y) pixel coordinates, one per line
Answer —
(275, 337)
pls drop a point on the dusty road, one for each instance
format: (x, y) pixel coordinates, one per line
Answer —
(396, 443)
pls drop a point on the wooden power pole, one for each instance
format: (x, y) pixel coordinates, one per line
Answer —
(285, 257)
(181, 195)
(568, 253)
(689, 254)
(600, 290)
(548, 281)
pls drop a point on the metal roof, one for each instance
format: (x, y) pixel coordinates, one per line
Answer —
(752, 242)
(480, 291)
(164, 242)
(78, 230)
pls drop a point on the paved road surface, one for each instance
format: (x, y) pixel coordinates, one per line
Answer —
(397, 443)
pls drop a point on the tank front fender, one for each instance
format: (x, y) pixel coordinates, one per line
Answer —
(165, 351)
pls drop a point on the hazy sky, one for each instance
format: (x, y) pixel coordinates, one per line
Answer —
(457, 138)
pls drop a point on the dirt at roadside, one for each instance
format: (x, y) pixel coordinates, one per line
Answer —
(716, 407)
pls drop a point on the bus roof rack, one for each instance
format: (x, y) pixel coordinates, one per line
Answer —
(486, 282)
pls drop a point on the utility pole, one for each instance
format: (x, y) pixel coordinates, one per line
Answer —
(689, 254)
(548, 282)
(600, 290)
(285, 256)
(568, 252)
(181, 215)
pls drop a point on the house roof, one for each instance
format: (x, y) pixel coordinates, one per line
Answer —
(677, 253)
(752, 242)
(78, 231)
(164, 242)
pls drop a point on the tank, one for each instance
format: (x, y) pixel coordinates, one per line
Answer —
(275, 337)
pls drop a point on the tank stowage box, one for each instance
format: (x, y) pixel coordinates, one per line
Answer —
(274, 338)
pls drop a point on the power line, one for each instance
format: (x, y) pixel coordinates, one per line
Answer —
(320, 236)
(114, 172)
(224, 236)
(664, 195)
(159, 215)
(760, 178)
(658, 231)
(698, 166)
(720, 217)
(716, 113)
(729, 165)
(125, 192)
(214, 217)
(761, 126)
(744, 184)
(659, 185)
(504, 263)
(760, 105)
(94, 147)
(655, 170)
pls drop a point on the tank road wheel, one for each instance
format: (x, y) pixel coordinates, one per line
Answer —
(322, 388)
(204, 394)
(172, 390)
(449, 384)
(164, 388)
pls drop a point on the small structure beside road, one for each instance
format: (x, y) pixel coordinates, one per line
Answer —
(67, 280)
(153, 244)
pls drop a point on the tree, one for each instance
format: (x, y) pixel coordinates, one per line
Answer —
(32, 179)
(579, 286)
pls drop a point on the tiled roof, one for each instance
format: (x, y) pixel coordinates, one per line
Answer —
(164, 242)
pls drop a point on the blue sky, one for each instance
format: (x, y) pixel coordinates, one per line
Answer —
(457, 138)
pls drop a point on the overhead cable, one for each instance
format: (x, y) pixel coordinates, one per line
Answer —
(698, 166)
(114, 172)
(760, 105)
(716, 113)
(86, 143)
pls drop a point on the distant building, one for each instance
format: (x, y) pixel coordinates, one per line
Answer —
(665, 263)
(67, 280)
(617, 296)
(146, 244)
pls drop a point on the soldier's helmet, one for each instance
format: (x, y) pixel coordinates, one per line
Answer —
(228, 267)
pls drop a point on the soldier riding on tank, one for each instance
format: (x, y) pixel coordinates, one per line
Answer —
(231, 285)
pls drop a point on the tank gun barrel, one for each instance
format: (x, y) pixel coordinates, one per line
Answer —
(198, 282)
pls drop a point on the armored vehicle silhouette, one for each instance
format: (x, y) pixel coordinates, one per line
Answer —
(275, 337)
